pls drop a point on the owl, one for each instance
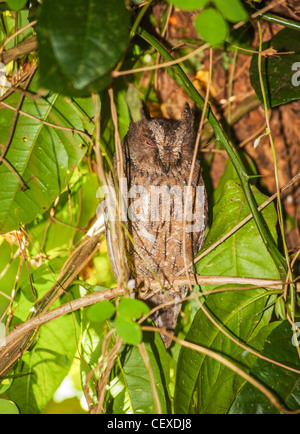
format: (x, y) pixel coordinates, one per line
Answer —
(165, 216)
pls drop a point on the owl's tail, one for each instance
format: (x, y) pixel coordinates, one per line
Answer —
(166, 316)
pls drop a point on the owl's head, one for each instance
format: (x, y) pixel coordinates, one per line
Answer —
(163, 140)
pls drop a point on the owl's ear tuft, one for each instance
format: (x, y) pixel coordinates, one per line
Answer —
(145, 114)
(187, 114)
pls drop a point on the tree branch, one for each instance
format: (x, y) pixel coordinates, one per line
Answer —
(24, 47)
(17, 341)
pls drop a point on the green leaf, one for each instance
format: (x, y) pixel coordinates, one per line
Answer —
(280, 73)
(9, 278)
(41, 369)
(129, 390)
(211, 26)
(41, 280)
(55, 79)
(8, 407)
(203, 384)
(16, 5)
(189, 4)
(5, 384)
(101, 311)
(75, 209)
(132, 308)
(45, 366)
(129, 331)
(244, 253)
(82, 40)
(43, 157)
(91, 351)
(228, 174)
(280, 308)
(284, 384)
(233, 11)
(124, 118)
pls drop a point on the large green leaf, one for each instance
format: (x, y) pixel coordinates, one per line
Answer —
(233, 11)
(16, 5)
(80, 41)
(45, 366)
(189, 4)
(203, 384)
(279, 72)
(42, 368)
(107, 126)
(39, 281)
(75, 209)
(129, 388)
(9, 278)
(8, 407)
(132, 308)
(211, 26)
(101, 311)
(43, 157)
(284, 384)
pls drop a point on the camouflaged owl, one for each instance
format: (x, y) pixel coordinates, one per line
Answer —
(165, 218)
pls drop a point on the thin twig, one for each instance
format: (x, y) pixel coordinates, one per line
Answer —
(103, 379)
(13, 172)
(16, 336)
(16, 114)
(59, 127)
(33, 23)
(145, 357)
(122, 278)
(259, 12)
(163, 34)
(161, 65)
(279, 205)
(97, 145)
(109, 294)
(253, 136)
(19, 50)
(195, 154)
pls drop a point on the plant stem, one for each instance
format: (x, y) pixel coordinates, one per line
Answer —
(279, 205)
(133, 31)
(290, 24)
(231, 151)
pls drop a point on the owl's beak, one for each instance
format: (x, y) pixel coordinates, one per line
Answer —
(166, 157)
(167, 166)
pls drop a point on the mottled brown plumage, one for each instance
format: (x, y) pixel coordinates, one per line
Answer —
(157, 155)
